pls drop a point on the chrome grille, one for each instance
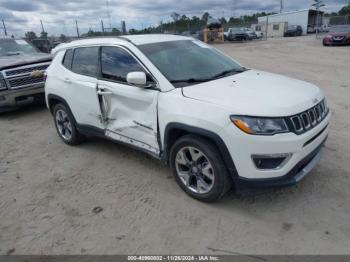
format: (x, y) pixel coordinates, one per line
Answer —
(310, 118)
(338, 38)
(16, 71)
(20, 77)
(24, 81)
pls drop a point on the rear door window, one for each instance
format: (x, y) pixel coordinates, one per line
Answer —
(85, 61)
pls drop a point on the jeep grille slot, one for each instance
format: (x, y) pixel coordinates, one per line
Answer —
(309, 119)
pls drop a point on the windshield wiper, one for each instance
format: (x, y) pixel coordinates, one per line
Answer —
(226, 72)
(201, 80)
(190, 80)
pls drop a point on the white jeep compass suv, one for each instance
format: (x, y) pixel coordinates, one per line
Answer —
(215, 122)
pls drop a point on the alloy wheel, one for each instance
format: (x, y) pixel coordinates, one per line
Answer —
(194, 170)
(64, 125)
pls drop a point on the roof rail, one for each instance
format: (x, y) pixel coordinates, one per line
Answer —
(102, 36)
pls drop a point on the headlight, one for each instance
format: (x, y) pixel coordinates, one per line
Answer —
(260, 125)
(2, 84)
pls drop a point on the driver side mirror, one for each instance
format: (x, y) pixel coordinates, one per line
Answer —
(137, 78)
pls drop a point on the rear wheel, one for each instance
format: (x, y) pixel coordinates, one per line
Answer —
(199, 169)
(65, 125)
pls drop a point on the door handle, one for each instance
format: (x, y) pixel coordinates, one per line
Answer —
(67, 80)
(103, 92)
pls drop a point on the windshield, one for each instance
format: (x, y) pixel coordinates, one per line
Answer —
(188, 62)
(10, 47)
(340, 30)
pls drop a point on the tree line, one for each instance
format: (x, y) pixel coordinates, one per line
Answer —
(181, 23)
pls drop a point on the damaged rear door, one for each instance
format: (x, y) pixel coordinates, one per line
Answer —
(130, 112)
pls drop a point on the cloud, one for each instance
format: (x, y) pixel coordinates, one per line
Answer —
(20, 5)
(59, 16)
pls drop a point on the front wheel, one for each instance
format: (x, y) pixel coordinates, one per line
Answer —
(199, 169)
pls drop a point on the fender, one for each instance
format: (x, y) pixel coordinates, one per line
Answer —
(52, 97)
(213, 137)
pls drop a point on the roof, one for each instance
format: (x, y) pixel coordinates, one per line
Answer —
(135, 39)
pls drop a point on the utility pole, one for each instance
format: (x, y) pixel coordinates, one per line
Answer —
(42, 27)
(267, 26)
(4, 26)
(281, 7)
(318, 4)
(108, 14)
(102, 26)
(76, 25)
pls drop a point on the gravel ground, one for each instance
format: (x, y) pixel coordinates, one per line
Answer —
(104, 198)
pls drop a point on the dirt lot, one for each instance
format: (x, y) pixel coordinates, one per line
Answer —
(48, 190)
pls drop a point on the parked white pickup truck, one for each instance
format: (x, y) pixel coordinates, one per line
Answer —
(218, 124)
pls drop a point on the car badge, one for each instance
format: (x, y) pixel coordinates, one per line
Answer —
(37, 73)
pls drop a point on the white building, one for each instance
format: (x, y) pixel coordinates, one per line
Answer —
(303, 18)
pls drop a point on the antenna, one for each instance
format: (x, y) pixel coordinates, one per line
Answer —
(281, 7)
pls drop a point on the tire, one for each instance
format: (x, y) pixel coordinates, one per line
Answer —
(66, 126)
(188, 170)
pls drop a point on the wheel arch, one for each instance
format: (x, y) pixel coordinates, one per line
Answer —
(174, 131)
(53, 100)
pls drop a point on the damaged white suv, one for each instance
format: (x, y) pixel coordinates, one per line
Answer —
(216, 123)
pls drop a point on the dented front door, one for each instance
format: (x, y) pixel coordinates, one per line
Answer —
(130, 112)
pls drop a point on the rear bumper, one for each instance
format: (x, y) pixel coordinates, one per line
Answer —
(13, 99)
(296, 174)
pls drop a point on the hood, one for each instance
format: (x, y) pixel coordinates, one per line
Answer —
(338, 34)
(23, 59)
(257, 93)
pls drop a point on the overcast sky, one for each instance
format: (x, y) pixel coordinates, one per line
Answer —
(59, 16)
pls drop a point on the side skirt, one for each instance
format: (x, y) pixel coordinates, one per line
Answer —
(117, 138)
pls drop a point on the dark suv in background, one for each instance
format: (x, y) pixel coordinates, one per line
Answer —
(294, 30)
(22, 69)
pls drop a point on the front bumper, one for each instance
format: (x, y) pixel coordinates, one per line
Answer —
(302, 147)
(298, 172)
(12, 99)
(328, 41)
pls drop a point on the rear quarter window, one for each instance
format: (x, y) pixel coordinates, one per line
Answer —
(67, 59)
